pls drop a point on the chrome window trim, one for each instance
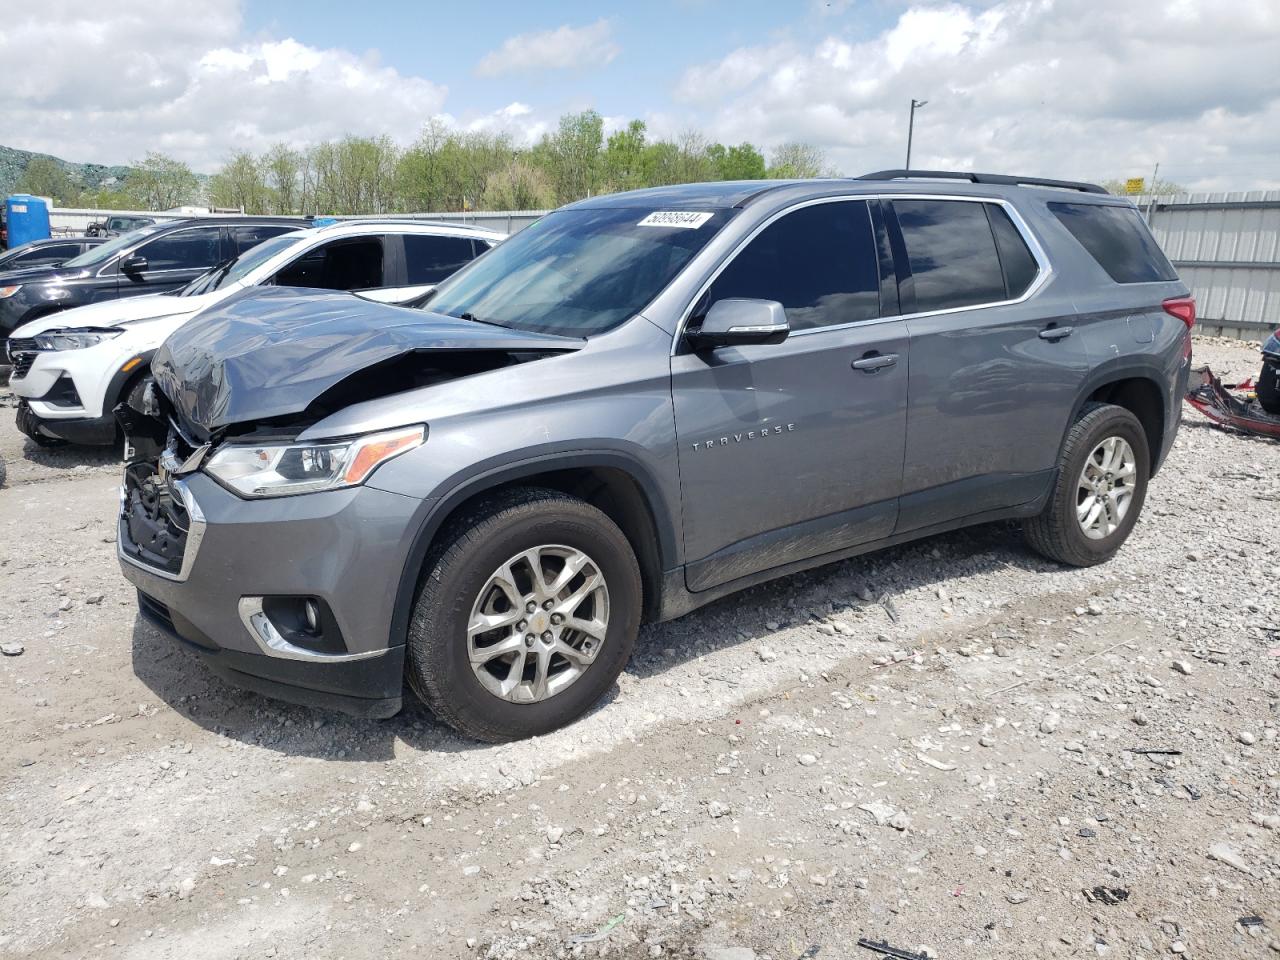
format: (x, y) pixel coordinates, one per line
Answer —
(195, 535)
(272, 644)
(1019, 224)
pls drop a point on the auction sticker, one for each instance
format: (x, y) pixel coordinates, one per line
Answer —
(683, 219)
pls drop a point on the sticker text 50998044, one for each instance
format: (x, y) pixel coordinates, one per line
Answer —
(683, 219)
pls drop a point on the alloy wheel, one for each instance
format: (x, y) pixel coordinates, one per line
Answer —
(1105, 490)
(538, 623)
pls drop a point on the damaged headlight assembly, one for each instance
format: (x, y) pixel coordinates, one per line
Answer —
(283, 469)
(74, 339)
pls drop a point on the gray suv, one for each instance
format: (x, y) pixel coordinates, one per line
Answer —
(638, 404)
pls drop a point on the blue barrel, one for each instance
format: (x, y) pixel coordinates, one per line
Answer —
(27, 218)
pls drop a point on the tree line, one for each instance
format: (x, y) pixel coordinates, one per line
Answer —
(444, 169)
(447, 169)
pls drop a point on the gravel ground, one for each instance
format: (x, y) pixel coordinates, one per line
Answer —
(936, 746)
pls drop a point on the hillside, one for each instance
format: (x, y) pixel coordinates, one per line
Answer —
(91, 175)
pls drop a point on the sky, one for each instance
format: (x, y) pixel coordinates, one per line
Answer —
(1076, 89)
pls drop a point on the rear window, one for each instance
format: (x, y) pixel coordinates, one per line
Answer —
(952, 253)
(1117, 238)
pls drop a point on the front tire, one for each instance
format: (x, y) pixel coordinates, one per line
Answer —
(528, 610)
(1101, 486)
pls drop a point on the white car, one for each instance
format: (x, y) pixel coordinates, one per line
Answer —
(71, 369)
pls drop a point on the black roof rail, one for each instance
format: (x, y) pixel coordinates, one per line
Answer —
(996, 178)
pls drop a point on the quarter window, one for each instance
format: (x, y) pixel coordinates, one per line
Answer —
(952, 253)
(430, 259)
(1118, 239)
(819, 262)
(183, 250)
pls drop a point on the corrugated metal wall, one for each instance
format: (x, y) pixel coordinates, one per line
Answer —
(1226, 246)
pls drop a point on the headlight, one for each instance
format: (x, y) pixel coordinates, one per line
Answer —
(74, 339)
(282, 469)
(6, 292)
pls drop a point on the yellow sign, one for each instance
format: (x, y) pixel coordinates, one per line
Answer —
(1135, 184)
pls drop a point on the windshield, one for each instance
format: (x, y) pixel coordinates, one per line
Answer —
(577, 272)
(105, 251)
(231, 271)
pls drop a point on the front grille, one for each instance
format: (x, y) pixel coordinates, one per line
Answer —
(22, 353)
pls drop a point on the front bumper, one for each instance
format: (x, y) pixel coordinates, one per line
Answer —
(346, 547)
(91, 431)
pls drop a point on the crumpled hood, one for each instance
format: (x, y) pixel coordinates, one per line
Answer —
(111, 313)
(271, 351)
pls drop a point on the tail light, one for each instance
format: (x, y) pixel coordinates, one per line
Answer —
(1184, 308)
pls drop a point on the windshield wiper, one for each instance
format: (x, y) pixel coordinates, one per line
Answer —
(474, 319)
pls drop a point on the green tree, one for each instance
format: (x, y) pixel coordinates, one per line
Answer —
(572, 155)
(743, 162)
(282, 168)
(798, 161)
(624, 157)
(240, 184)
(43, 177)
(159, 183)
(518, 186)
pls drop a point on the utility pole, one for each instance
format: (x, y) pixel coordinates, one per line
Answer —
(911, 125)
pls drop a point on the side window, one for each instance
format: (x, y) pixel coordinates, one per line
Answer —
(340, 265)
(245, 237)
(54, 253)
(1020, 267)
(952, 253)
(183, 250)
(818, 262)
(1118, 239)
(430, 259)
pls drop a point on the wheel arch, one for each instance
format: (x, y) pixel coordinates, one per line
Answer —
(1137, 388)
(614, 482)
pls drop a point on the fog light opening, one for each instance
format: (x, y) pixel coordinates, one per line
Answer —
(311, 613)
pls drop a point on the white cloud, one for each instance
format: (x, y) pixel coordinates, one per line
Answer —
(563, 48)
(189, 86)
(1051, 87)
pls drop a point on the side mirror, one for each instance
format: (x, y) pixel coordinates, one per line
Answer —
(736, 322)
(134, 264)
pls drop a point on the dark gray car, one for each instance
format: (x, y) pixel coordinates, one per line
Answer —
(638, 404)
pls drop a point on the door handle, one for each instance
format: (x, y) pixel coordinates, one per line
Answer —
(1056, 333)
(872, 362)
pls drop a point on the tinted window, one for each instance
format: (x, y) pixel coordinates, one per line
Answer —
(577, 272)
(53, 253)
(1020, 267)
(818, 262)
(105, 251)
(952, 253)
(183, 250)
(340, 265)
(431, 259)
(1118, 239)
(242, 238)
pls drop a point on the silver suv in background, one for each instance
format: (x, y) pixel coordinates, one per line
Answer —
(638, 404)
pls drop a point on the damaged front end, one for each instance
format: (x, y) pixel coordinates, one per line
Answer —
(235, 387)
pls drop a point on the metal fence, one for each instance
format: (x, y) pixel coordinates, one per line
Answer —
(1226, 246)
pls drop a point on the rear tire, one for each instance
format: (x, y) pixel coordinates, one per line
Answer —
(567, 671)
(1092, 509)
